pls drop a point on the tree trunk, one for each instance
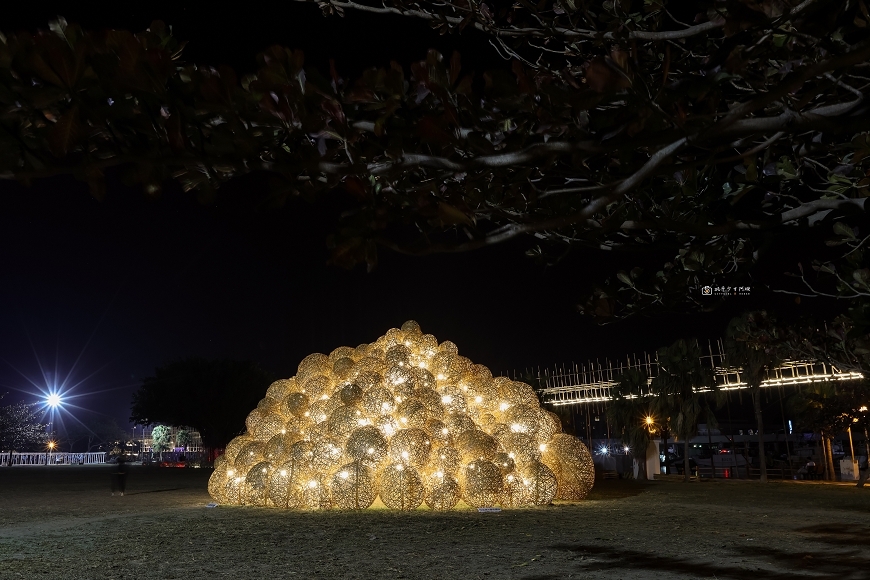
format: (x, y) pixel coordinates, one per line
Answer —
(762, 459)
(829, 459)
(686, 460)
(865, 473)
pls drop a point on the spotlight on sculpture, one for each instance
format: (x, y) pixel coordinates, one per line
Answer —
(406, 419)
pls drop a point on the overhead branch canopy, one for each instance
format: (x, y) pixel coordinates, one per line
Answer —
(623, 124)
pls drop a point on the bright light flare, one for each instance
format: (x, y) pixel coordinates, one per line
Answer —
(53, 400)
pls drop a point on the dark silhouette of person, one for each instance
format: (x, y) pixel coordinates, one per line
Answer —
(119, 479)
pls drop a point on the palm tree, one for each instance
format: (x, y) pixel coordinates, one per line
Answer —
(754, 344)
(681, 391)
(630, 412)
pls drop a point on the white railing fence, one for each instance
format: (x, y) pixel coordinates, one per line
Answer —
(52, 458)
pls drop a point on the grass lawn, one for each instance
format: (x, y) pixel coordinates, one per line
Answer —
(61, 522)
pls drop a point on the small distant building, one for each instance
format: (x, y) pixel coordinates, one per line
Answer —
(194, 446)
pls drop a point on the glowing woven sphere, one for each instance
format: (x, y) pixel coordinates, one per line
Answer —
(343, 421)
(410, 447)
(378, 401)
(354, 486)
(474, 444)
(520, 447)
(442, 492)
(404, 417)
(217, 481)
(523, 419)
(342, 368)
(432, 401)
(278, 390)
(248, 455)
(311, 365)
(350, 395)
(540, 481)
(278, 447)
(446, 460)
(482, 484)
(285, 486)
(401, 487)
(257, 484)
(414, 413)
(296, 404)
(548, 425)
(572, 463)
(316, 386)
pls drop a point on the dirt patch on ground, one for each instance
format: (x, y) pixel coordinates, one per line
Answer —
(61, 522)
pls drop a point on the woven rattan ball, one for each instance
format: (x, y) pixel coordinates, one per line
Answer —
(387, 424)
(342, 368)
(313, 364)
(257, 484)
(520, 447)
(518, 393)
(217, 482)
(414, 413)
(540, 481)
(343, 421)
(482, 484)
(453, 399)
(269, 426)
(498, 430)
(248, 455)
(300, 456)
(423, 379)
(514, 492)
(321, 409)
(442, 492)
(410, 447)
(448, 347)
(439, 433)
(234, 488)
(572, 463)
(401, 487)
(523, 419)
(233, 448)
(278, 447)
(504, 461)
(326, 455)
(296, 404)
(350, 395)
(474, 444)
(399, 355)
(446, 460)
(548, 425)
(278, 390)
(399, 381)
(342, 352)
(458, 422)
(368, 380)
(478, 372)
(411, 328)
(378, 401)
(432, 401)
(316, 386)
(367, 444)
(315, 493)
(285, 486)
(353, 486)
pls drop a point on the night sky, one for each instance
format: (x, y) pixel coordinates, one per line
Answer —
(106, 291)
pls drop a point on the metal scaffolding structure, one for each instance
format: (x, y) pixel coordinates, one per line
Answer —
(592, 383)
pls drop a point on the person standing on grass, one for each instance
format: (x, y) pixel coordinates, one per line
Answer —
(119, 479)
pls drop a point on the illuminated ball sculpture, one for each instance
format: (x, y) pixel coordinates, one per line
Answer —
(405, 419)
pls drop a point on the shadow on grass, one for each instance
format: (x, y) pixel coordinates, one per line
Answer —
(153, 491)
(617, 489)
(816, 565)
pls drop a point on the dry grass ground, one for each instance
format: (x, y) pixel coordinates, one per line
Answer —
(61, 523)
